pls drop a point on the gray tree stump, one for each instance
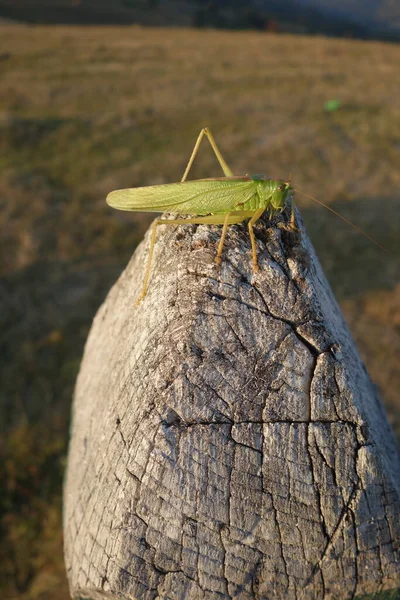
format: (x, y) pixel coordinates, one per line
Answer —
(227, 441)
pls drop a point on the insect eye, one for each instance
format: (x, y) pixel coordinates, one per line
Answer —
(281, 187)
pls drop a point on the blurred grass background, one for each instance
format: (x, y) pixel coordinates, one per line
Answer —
(87, 110)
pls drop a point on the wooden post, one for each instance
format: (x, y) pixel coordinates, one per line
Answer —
(227, 441)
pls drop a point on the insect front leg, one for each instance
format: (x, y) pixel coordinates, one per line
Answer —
(252, 221)
(292, 223)
(206, 132)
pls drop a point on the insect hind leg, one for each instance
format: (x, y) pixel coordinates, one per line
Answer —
(147, 273)
(225, 220)
(156, 223)
(207, 133)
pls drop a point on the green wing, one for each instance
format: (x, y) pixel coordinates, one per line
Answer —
(199, 197)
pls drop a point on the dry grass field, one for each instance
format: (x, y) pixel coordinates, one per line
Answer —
(87, 110)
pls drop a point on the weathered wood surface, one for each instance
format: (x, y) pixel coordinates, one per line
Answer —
(227, 441)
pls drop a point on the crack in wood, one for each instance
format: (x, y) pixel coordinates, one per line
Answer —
(177, 504)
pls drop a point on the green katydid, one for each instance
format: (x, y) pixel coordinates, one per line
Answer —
(222, 201)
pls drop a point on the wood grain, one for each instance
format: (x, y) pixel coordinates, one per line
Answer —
(227, 441)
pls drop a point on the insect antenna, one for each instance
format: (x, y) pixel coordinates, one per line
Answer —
(345, 220)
